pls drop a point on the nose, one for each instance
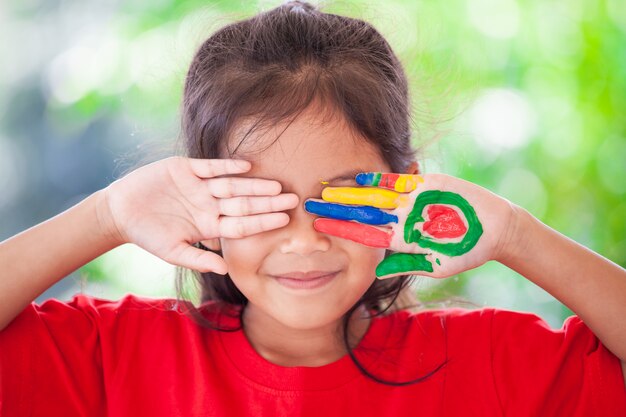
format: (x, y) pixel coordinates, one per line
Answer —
(299, 236)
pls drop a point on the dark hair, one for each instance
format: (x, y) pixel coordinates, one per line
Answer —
(270, 68)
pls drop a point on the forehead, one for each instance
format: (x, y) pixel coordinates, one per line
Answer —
(311, 148)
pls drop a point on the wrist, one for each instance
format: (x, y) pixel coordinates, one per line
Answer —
(517, 235)
(107, 228)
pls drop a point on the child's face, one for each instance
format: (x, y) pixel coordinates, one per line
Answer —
(306, 153)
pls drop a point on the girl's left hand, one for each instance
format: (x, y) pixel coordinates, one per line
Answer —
(437, 224)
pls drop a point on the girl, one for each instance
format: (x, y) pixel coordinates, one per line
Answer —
(278, 111)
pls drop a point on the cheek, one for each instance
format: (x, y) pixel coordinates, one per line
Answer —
(365, 259)
(242, 255)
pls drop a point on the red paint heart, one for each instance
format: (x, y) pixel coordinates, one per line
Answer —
(444, 221)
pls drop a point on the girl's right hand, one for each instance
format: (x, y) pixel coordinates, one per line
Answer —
(167, 206)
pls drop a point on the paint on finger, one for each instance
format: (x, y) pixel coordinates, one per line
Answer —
(360, 233)
(361, 214)
(402, 183)
(377, 197)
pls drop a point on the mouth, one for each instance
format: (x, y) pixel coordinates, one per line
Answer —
(305, 280)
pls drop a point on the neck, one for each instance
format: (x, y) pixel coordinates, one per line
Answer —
(286, 346)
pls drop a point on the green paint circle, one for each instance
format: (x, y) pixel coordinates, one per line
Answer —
(475, 229)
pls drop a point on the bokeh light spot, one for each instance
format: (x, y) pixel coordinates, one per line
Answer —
(496, 19)
(501, 119)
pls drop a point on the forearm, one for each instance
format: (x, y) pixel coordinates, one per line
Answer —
(589, 284)
(35, 259)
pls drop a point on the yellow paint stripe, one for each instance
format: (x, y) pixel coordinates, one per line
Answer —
(401, 183)
(407, 183)
(376, 197)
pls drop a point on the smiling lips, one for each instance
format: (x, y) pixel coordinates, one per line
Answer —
(305, 280)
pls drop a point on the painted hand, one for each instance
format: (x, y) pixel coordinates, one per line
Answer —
(437, 224)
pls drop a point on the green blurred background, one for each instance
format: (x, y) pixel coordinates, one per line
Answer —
(524, 98)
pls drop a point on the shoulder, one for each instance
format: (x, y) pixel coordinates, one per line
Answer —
(96, 307)
(84, 311)
(128, 303)
(477, 329)
(454, 319)
(452, 330)
(448, 313)
(486, 318)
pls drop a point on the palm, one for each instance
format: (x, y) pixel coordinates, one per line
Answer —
(157, 209)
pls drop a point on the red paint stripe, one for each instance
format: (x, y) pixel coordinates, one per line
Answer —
(388, 180)
(357, 232)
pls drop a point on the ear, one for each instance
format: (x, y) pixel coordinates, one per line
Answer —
(213, 244)
(413, 169)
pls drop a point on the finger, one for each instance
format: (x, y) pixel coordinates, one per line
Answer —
(361, 214)
(376, 197)
(360, 233)
(402, 183)
(237, 227)
(245, 206)
(197, 259)
(403, 264)
(237, 186)
(208, 168)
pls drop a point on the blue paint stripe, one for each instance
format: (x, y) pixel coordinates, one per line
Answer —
(365, 178)
(361, 214)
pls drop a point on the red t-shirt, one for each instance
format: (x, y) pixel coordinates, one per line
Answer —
(144, 357)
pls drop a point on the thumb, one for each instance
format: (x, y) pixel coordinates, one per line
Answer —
(198, 259)
(402, 264)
